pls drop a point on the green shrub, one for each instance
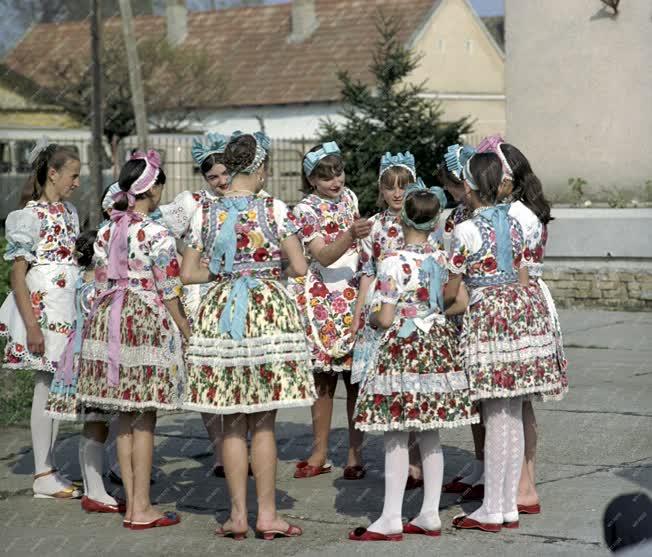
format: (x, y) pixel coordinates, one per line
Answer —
(5, 268)
(16, 390)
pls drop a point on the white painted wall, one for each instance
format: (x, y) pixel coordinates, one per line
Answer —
(579, 91)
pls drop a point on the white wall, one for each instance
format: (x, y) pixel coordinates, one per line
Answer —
(579, 91)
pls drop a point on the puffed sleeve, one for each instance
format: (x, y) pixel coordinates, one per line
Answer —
(286, 222)
(101, 258)
(194, 237)
(22, 229)
(176, 216)
(165, 265)
(307, 223)
(354, 201)
(460, 249)
(389, 280)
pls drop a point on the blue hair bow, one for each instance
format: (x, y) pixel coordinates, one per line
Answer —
(405, 160)
(226, 242)
(312, 159)
(420, 186)
(498, 217)
(216, 144)
(456, 157)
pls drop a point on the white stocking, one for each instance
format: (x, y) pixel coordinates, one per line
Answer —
(514, 461)
(496, 450)
(91, 460)
(43, 437)
(397, 461)
(433, 474)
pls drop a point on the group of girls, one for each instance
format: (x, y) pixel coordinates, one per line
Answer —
(267, 307)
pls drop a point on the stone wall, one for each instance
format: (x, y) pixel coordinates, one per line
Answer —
(604, 287)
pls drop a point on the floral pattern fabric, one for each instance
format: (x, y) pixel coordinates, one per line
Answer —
(44, 235)
(327, 296)
(150, 359)
(415, 379)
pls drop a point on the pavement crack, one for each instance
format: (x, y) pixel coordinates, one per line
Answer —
(601, 412)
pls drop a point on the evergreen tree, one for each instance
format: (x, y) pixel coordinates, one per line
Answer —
(392, 115)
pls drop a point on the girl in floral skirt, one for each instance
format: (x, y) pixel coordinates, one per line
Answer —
(248, 355)
(329, 228)
(63, 403)
(507, 344)
(414, 381)
(131, 357)
(532, 211)
(38, 314)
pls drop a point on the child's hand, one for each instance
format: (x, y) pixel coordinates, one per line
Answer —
(35, 340)
(360, 228)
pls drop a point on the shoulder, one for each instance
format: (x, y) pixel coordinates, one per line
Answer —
(154, 229)
(70, 208)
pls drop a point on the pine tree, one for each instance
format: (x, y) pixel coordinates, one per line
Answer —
(392, 115)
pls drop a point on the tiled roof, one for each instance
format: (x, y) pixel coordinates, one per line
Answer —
(249, 46)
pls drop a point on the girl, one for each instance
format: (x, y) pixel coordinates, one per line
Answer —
(63, 403)
(329, 228)
(396, 171)
(177, 216)
(507, 345)
(532, 211)
(415, 380)
(38, 315)
(131, 357)
(248, 355)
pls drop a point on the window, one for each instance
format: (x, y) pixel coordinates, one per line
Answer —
(5, 157)
(441, 45)
(468, 46)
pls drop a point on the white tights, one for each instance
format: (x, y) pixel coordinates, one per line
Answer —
(91, 461)
(397, 462)
(503, 458)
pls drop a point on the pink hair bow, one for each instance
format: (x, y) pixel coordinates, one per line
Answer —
(147, 179)
(492, 144)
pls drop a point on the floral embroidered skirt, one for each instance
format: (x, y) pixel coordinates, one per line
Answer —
(52, 293)
(507, 344)
(415, 383)
(269, 368)
(151, 361)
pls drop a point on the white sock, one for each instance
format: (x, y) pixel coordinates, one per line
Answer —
(496, 447)
(433, 474)
(476, 473)
(91, 460)
(397, 461)
(514, 462)
(43, 437)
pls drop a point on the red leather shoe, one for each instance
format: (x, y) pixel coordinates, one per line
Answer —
(456, 486)
(305, 470)
(463, 522)
(269, 535)
(168, 519)
(93, 506)
(475, 492)
(529, 509)
(410, 528)
(514, 524)
(364, 535)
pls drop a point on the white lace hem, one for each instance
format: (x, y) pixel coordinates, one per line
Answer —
(511, 393)
(117, 405)
(29, 364)
(416, 383)
(79, 417)
(131, 356)
(514, 351)
(416, 425)
(247, 408)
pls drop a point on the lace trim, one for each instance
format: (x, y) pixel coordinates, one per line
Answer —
(511, 393)
(131, 356)
(520, 350)
(417, 425)
(416, 383)
(80, 417)
(117, 405)
(216, 361)
(248, 408)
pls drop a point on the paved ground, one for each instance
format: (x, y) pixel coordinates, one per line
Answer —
(593, 446)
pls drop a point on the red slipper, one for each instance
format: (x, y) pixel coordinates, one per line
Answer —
(529, 509)
(356, 472)
(168, 519)
(514, 524)
(410, 528)
(473, 493)
(222, 533)
(455, 486)
(269, 535)
(305, 470)
(364, 535)
(413, 483)
(93, 506)
(463, 522)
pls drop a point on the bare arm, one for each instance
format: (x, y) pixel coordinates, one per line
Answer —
(298, 266)
(461, 302)
(523, 276)
(175, 308)
(451, 289)
(365, 282)
(384, 317)
(35, 339)
(192, 271)
(329, 254)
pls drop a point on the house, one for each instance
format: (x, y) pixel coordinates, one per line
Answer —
(281, 61)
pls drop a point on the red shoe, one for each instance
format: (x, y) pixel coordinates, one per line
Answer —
(514, 524)
(356, 472)
(410, 528)
(456, 486)
(364, 535)
(269, 535)
(413, 483)
(93, 506)
(168, 519)
(305, 470)
(222, 533)
(463, 522)
(529, 509)
(475, 492)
